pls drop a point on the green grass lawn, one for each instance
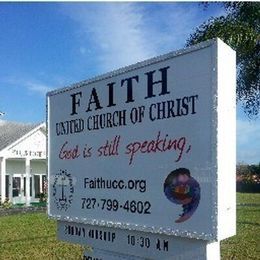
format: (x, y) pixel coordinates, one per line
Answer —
(246, 244)
(33, 236)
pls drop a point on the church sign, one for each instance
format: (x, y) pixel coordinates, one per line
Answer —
(149, 147)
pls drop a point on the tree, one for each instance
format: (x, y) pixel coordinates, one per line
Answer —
(248, 178)
(239, 28)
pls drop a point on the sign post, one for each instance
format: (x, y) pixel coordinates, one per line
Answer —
(141, 245)
(147, 151)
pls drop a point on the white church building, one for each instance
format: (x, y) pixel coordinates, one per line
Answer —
(22, 161)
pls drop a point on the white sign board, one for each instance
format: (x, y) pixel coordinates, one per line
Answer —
(107, 255)
(131, 244)
(150, 147)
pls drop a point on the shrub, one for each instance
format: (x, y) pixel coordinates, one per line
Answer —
(248, 178)
(43, 197)
(7, 204)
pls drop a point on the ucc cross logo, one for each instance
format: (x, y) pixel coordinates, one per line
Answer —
(63, 190)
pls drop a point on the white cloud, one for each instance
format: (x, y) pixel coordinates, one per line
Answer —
(114, 30)
(171, 24)
(33, 86)
(37, 87)
(124, 33)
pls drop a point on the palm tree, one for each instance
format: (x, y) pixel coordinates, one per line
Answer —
(239, 28)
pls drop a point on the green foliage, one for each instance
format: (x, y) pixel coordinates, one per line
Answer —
(7, 204)
(239, 28)
(248, 178)
(248, 173)
(43, 197)
(39, 204)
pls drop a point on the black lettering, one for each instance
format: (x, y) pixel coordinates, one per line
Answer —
(94, 100)
(165, 245)
(151, 112)
(129, 85)
(151, 82)
(86, 182)
(75, 103)
(178, 100)
(193, 103)
(185, 106)
(111, 94)
(158, 245)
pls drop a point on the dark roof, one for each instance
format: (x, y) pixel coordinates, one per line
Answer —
(12, 131)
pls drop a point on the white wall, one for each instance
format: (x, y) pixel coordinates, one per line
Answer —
(18, 166)
(38, 167)
(15, 166)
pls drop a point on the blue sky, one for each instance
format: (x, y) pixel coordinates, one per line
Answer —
(44, 46)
